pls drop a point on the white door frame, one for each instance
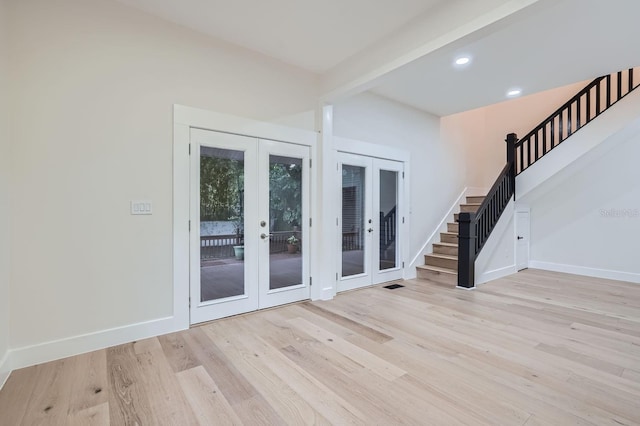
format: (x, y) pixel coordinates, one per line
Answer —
(184, 119)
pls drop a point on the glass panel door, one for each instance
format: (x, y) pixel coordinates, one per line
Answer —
(355, 228)
(387, 201)
(221, 223)
(353, 220)
(223, 254)
(388, 220)
(284, 223)
(285, 218)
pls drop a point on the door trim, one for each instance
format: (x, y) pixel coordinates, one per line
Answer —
(185, 118)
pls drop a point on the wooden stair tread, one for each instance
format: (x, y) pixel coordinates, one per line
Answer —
(446, 244)
(449, 233)
(442, 256)
(437, 269)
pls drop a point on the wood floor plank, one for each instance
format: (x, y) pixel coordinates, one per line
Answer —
(205, 398)
(89, 389)
(231, 382)
(286, 402)
(16, 394)
(97, 415)
(128, 401)
(534, 348)
(178, 353)
(352, 325)
(166, 399)
(371, 362)
(50, 402)
(322, 398)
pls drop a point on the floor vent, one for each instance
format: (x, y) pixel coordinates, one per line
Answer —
(393, 286)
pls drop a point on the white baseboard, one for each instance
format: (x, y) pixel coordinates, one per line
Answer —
(75, 345)
(588, 272)
(496, 274)
(5, 371)
(410, 272)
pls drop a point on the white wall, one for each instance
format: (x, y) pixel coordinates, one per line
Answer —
(94, 84)
(586, 219)
(484, 130)
(497, 258)
(4, 197)
(437, 178)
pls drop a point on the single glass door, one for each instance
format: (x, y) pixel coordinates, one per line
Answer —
(387, 201)
(284, 223)
(356, 222)
(223, 256)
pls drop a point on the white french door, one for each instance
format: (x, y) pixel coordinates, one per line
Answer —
(370, 221)
(249, 235)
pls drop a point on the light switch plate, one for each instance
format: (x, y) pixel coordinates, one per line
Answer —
(141, 207)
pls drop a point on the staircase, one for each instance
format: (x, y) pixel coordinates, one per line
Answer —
(453, 259)
(441, 266)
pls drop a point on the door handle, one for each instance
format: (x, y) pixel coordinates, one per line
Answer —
(370, 230)
(264, 236)
(520, 238)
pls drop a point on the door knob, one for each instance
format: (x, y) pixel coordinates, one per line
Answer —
(370, 229)
(264, 236)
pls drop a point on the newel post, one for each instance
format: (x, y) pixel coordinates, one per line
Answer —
(511, 141)
(466, 250)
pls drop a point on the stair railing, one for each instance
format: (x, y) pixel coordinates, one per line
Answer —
(589, 103)
(475, 228)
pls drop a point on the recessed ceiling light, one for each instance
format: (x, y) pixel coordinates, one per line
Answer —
(463, 60)
(514, 92)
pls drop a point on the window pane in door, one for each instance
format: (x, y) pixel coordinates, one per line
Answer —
(221, 223)
(285, 221)
(353, 220)
(388, 224)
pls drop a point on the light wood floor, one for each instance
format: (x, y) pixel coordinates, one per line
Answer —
(537, 348)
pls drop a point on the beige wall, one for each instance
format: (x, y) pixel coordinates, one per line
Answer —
(483, 130)
(4, 194)
(94, 83)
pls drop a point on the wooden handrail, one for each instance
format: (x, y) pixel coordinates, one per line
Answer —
(573, 115)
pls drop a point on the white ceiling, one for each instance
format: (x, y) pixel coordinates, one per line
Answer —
(546, 44)
(310, 34)
(535, 49)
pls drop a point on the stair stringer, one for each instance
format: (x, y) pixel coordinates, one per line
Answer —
(610, 122)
